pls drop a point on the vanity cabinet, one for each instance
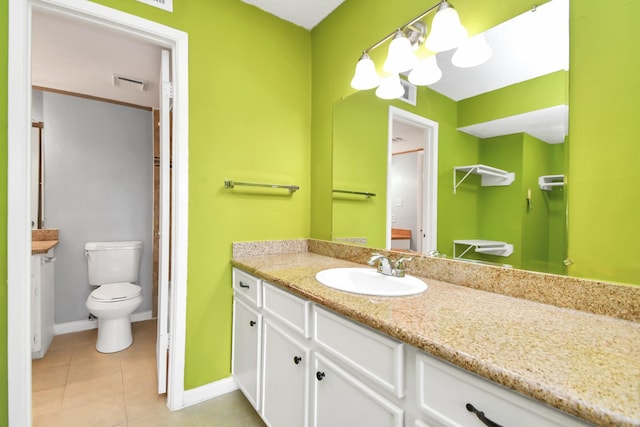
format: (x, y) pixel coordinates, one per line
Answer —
(340, 399)
(285, 393)
(42, 303)
(247, 334)
(286, 359)
(301, 365)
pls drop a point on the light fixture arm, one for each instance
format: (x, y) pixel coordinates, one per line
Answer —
(403, 27)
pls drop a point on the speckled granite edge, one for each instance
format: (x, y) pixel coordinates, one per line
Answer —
(609, 299)
(269, 247)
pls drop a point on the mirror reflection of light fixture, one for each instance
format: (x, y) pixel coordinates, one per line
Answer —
(473, 51)
(447, 33)
(390, 88)
(426, 72)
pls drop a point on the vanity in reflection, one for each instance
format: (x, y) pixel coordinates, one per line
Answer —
(475, 169)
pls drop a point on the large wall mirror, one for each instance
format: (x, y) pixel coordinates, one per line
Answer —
(473, 166)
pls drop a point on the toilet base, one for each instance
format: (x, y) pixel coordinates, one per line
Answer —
(114, 334)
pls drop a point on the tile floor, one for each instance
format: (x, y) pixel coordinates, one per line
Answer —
(75, 385)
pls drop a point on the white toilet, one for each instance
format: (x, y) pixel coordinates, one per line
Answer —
(114, 267)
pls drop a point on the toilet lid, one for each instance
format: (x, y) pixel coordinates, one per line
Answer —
(116, 292)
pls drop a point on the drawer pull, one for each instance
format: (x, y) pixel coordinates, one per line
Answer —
(297, 359)
(252, 323)
(486, 421)
(319, 375)
(242, 285)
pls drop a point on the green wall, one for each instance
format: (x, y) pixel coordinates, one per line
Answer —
(603, 190)
(249, 120)
(531, 95)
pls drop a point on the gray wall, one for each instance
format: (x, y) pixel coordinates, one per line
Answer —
(98, 187)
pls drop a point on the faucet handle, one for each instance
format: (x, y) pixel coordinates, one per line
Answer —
(375, 257)
(400, 264)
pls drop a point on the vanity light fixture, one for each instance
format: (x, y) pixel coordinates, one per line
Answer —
(447, 33)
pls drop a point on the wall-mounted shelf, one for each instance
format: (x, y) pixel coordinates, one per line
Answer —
(547, 182)
(490, 176)
(488, 247)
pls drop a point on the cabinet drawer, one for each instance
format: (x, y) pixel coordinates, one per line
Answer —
(445, 390)
(288, 308)
(377, 356)
(248, 286)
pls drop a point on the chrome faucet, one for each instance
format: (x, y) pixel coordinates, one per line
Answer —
(386, 267)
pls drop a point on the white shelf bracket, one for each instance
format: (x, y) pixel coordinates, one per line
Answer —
(490, 176)
(547, 182)
(488, 247)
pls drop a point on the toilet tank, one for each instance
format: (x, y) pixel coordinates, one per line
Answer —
(113, 262)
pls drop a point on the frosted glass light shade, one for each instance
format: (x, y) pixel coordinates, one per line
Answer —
(426, 72)
(366, 76)
(472, 52)
(446, 30)
(390, 88)
(400, 57)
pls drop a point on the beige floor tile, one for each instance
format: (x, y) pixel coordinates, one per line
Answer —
(91, 414)
(47, 401)
(87, 365)
(106, 389)
(47, 377)
(119, 389)
(141, 405)
(55, 357)
(75, 339)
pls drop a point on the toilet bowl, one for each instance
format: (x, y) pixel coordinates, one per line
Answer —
(114, 268)
(113, 304)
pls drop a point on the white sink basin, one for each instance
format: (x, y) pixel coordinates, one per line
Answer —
(368, 281)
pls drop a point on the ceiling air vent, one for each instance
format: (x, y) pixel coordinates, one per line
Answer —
(162, 4)
(131, 83)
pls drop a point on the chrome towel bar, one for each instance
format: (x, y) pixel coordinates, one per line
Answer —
(359, 193)
(229, 183)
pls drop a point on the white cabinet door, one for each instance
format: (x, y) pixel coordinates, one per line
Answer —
(246, 350)
(285, 397)
(340, 400)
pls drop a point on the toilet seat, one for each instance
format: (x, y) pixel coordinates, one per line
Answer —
(115, 292)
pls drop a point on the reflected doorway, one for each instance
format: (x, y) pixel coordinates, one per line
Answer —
(412, 182)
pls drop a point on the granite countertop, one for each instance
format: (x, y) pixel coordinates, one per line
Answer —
(585, 364)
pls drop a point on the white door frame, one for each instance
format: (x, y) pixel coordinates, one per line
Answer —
(430, 176)
(18, 199)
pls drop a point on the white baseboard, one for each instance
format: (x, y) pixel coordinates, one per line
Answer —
(85, 325)
(208, 391)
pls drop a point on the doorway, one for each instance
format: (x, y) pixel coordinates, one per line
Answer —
(412, 202)
(19, 154)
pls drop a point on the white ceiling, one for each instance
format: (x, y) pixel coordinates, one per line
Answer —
(530, 45)
(79, 57)
(305, 13)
